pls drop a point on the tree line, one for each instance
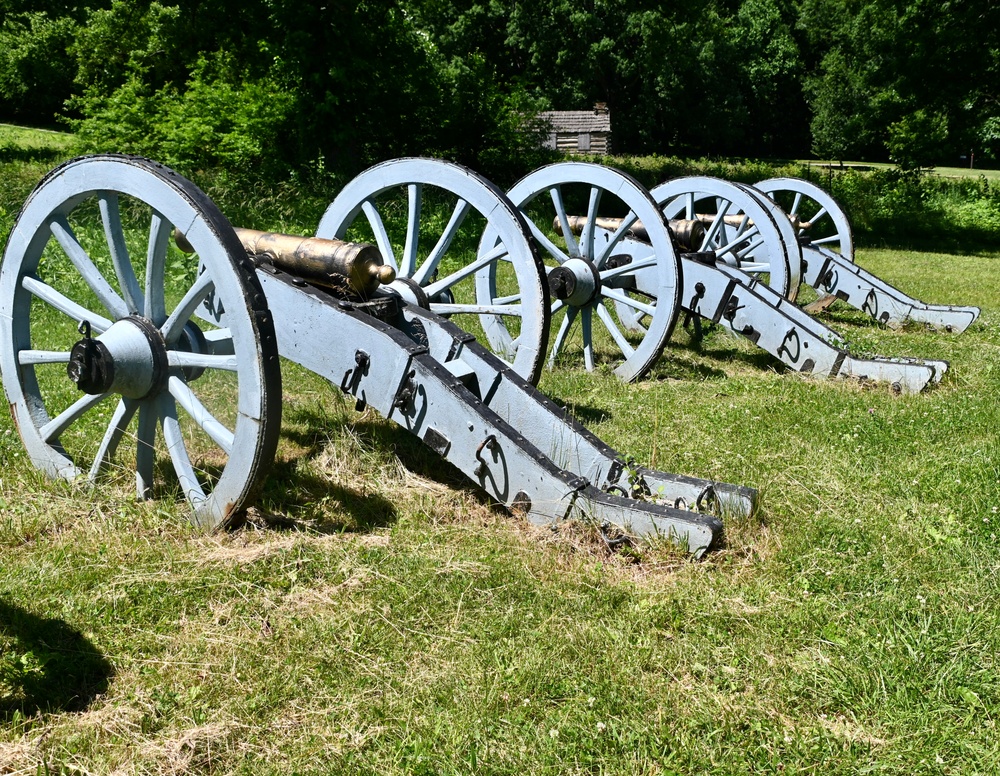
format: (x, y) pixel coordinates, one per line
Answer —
(277, 86)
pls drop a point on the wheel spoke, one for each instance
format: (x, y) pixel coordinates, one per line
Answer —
(588, 338)
(381, 235)
(745, 225)
(744, 251)
(795, 204)
(174, 440)
(65, 305)
(623, 344)
(195, 295)
(50, 431)
(156, 261)
(626, 269)
(507, 299)
(818, 215)
(429, 267)
(546, 244)
(107, 296)
(414, 200)
(478, 309)
(689, 207)
(563, 331)
(616, 237)
(469, 269)
(589, 228)
(113, 436)
(31, 357)
(207, 422)
(825, 240)
(635, 304)
(115, 235)
(145, 448)
(717, 223)
(557, 200)
(180, 358)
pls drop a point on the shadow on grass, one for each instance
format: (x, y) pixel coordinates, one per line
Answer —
(46, 665)
(18, 154)
(293, 490)
(686, 360)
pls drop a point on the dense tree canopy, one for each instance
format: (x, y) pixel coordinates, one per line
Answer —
(279, 85)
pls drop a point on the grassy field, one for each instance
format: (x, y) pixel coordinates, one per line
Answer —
(376, 615)
(944, 172)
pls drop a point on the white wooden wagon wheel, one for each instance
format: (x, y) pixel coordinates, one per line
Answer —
(818, 217)
(426, 216)
(589, 277)
(105, 367)
(740, 227)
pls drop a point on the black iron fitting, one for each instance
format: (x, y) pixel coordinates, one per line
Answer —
(489, 443)
(732, 306)
(352, 378)
(408, 388)
(578, 483)
(618, 260)
(562, 283)
(91, 367)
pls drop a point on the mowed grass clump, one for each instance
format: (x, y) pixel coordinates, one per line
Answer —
(377, 615)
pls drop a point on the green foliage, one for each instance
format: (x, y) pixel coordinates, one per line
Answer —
(840, 123)
(270, 86)
(276, 86)
(917, 139)
(491, 127)
(906, 208)
(36, 67)
(216, 119)
(889, 71)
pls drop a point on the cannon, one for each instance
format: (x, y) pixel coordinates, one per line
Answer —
(615, 262)
(121, 358)
(757, 244)
(825, 235)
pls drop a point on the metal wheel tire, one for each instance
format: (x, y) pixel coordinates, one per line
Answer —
(741, 227)
(633, 325)
(427, 217)
(805, 202)
(214, 393)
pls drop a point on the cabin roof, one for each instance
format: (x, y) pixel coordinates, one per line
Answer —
(578, 120)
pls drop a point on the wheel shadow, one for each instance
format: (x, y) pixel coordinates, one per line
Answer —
(297, 498)
(694, 358)
(46, 665)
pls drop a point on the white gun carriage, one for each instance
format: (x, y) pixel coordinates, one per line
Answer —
(120, 357)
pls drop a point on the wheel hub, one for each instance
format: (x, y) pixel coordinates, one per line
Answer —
(130, 358)
(576, 282)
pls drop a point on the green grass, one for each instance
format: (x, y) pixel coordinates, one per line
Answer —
(944, 172)
(25, 143)
(377, 616)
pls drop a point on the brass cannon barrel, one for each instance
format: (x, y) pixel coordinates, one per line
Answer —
(689, 233)
(329, 263)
